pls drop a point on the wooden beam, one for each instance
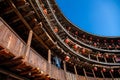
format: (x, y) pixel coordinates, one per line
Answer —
(34, 8)
(6, 53)
(12, 75)
(12, 62)
(34, 71)
(1, 47)
(38, 75)
(21, 66)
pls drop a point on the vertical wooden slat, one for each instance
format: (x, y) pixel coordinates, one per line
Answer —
(76, 74)
(49, 62)
(94, 74)
(65, 71)
(85, 74)
(27, 51)
(105, 59)
(97, 58)
(113, 60)
(89, 56)
(111, 75)
(103, 75)
(49, 56)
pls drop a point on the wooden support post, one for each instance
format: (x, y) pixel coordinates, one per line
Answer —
(94, 74)
(113, 60)
(105, 59)
(76, 73)
(103, 75)
(97, 58)
(9, 42)
(49, 56)
(27, 51)
(119, 72)
(49, 62)
(111, 75)
(89, 56)
(85, 74)
(65, 71)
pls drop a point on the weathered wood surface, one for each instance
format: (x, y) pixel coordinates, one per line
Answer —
(15, 47)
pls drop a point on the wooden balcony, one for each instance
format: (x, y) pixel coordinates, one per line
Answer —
(32, 66)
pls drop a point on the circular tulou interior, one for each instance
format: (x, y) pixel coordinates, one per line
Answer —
(37, 42)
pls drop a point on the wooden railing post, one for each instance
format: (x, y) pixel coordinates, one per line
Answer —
(105, 59)
(9, 42)
(76, 73)
(65, 71)
(114, 60)
(85, 74)
(111, 75)
(103, 75)
(97, 58)
(94, 74)
(89, 56)
(27, 51)
(49, 56)
(49, 62)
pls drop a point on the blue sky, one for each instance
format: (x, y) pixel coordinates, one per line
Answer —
(100, 17)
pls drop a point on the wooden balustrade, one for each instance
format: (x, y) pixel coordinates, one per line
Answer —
(11, 41)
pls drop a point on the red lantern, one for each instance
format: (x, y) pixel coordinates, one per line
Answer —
(117, 46)
(112, 41)
(67, 41)
(75, 46)
(95, 68)
(95, 44)
(105, 41)
(67, 58)
(83, 50)
(110, 46)
(56, 29)
(83, 36)
(68, 28)
(76, 32)
(90, 38)
(97, 40)
(107, 55)
(45, 11)
(118, 40)
(115, 56)
(99, 55)
(104, 70)
(111, 70)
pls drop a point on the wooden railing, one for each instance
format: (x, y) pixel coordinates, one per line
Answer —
(11, 41)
